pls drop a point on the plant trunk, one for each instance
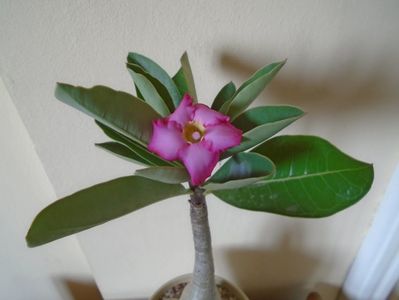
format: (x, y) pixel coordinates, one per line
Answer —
(202, 285)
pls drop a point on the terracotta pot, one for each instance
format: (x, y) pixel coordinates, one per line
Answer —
(233, 289)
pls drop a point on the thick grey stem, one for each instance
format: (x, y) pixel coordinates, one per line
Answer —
(202, 286)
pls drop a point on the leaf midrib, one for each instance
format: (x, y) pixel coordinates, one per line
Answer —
(309, 175)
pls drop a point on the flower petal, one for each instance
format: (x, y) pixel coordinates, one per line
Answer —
(206, 116)
(183, 112)
(222, 136)
(167, 139)
(199, 161)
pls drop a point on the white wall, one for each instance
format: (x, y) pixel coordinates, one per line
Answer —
(42, 273)
(341, 69)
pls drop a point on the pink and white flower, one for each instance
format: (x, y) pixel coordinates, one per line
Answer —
(195, 135)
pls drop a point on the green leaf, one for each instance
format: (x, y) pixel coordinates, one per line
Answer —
(165, 174)
(157, 72)
(225, 94)
(123, 151)
(151, 158)
(180, 81)
(251, 89)
(120, 111)
(96, 205)
(260, 123)
(188, 75)
(150, 94)
(161, 89)
(240, 170)
(313, 179)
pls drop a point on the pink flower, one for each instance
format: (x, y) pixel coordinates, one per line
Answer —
(195, 135)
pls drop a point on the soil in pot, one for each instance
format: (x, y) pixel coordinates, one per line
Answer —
(175, 292)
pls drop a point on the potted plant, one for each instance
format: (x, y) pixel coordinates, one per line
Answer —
(180, 142)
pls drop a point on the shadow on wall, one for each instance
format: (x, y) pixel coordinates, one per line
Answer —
(352, 82)
(279, 273)
(78, 289)
(83, 290)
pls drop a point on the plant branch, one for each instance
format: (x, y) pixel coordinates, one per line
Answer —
(202, 286)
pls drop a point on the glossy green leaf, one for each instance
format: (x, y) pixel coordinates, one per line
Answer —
(225, 94)
(157, 72)
(251, 89)
(313, 179)
(120, 111)
(260, 123)
(123, 152)
(96, 205)
(180, 81)
(240, 170)
(161, 89)
(165, 174)
(139, 150)
(188, 75)
(149, 93)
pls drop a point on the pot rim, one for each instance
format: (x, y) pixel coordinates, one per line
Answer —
(187, 277)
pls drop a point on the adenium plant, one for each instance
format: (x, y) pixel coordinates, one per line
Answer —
(195, 135)
(181, 141)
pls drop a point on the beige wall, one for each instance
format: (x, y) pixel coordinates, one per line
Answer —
(53, 272)
(341, 69)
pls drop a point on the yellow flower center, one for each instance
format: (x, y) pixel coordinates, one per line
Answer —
(193, 132)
